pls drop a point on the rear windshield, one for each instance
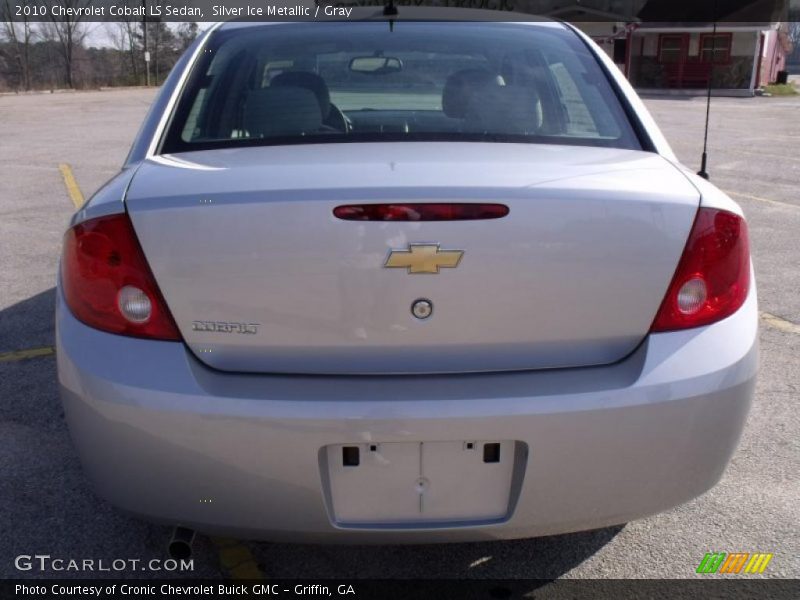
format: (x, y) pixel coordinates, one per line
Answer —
(352, 82)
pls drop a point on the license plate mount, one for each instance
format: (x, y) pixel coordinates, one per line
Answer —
(400, 484)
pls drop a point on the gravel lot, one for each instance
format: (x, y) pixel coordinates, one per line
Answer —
(48, 507)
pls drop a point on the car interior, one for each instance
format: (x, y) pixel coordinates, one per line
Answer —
(473, 100)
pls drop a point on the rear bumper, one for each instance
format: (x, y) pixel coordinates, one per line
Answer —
(158, 433)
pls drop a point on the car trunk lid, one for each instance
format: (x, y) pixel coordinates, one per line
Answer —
(262, 277)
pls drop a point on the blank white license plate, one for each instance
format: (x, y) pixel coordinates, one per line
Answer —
(410, 482)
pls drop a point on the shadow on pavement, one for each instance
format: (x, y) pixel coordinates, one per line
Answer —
(48, 506)
(544, 558)
(28, 324)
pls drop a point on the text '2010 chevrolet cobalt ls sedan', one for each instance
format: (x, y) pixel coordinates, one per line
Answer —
(436, 281)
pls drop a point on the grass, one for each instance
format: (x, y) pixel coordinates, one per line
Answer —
(783, 89)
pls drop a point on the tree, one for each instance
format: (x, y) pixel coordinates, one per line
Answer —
(19, 34)
(122, 34)
(793, 26)
(54, 54)
(186, 34)
(161, 44)
(69, 32)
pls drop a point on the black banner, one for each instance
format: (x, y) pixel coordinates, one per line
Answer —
(635, 11)
(710, 588)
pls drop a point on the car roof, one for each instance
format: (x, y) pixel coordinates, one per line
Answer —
(415, 13)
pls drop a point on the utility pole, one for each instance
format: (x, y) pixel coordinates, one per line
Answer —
(146, 52)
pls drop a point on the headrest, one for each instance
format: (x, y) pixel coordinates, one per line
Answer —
(460, 86)
(309, 81)
(281, 111)
(511, 110)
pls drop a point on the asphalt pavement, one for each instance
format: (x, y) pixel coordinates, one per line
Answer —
(49, 508)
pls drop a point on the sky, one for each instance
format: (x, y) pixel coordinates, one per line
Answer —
(99, 33)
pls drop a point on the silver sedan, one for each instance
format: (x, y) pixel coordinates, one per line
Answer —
(426, 281)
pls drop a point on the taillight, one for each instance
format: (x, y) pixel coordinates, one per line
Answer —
(713, 275)
(107, 283)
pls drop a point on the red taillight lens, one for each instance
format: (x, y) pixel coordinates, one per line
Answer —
(420, 212)
(713, 275)
(107, 283)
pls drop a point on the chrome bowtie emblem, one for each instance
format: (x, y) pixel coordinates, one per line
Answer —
(423, 258)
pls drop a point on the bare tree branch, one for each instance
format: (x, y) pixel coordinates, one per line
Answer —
(20, 35)
(69, 31)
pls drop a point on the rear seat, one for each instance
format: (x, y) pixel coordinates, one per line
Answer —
(508, 110)
(281, 111)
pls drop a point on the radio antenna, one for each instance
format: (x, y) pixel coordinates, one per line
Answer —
(703, 172)
(390, 10)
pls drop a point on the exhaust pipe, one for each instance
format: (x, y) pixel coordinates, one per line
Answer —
(180, 544)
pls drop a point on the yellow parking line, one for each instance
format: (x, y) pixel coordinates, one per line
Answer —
(760, 199)
(236, 559)
(29, 353)
(73, 190)
(780, 324)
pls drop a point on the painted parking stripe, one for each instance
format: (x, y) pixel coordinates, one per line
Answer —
(73, 190)
(780, 324)
(236, 560)
(25, 354)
